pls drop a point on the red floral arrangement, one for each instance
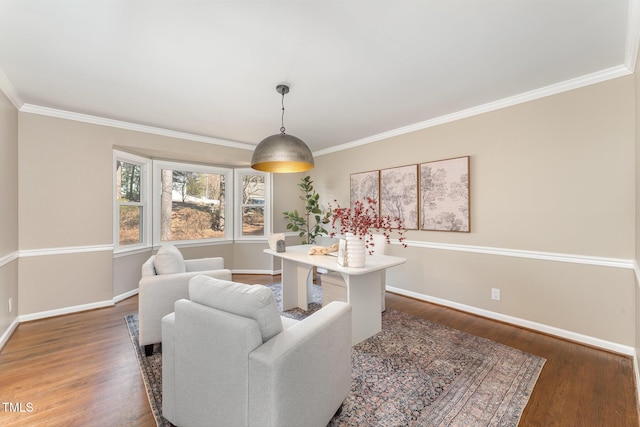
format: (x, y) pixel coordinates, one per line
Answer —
(362, 220)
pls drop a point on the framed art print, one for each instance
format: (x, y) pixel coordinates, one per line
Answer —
(444, 195)
(399, 194)
(363, 185)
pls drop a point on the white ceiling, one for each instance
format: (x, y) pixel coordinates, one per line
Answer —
(358, 70)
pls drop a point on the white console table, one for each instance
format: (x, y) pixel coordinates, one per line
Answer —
(364, 285)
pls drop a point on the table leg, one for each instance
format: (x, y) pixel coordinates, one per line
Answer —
(363, 293)
(295, 277)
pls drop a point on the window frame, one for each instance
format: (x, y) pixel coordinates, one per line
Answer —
(158, 165)
(145, 201)
(239, 207)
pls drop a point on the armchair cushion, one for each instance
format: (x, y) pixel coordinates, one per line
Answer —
(169, 260)
(253, 301)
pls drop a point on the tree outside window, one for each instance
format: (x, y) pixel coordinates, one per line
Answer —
(253, 203)
(131, 211)
(130, 208)
(192, 205)
(253, 195)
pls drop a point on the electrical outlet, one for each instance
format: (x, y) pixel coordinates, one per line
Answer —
(10, 305)
(495, 294)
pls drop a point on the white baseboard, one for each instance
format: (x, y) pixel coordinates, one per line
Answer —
(66, 310)
(125, 295)
(4, 338)
(551, 330)
(637, 375)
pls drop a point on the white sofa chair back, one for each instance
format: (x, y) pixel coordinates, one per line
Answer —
(229, 360)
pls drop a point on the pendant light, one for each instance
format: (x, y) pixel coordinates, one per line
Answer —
(282, 153)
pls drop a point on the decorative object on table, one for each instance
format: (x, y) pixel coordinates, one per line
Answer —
(342, 252)
(282, 153)
(444, 195)
(312, 213)
(362, 220)
(356, 250)
(281, 246)
(323, 250)
(273, 240)
(363, 185)
(399, 194)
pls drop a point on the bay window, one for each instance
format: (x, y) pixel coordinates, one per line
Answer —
(162, 201)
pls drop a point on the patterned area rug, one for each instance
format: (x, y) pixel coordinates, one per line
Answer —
(413, 373)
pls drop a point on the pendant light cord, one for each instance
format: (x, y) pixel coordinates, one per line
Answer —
(282, 129)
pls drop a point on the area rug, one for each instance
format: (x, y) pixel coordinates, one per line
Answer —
(413, 373)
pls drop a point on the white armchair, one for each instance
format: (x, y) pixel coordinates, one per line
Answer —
(165, 280)
(229, 359)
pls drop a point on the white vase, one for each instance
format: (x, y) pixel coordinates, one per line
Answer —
(355, 251)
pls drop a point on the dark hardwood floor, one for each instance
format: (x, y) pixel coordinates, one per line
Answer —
(80, 370)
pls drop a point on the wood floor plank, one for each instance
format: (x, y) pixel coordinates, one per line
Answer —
(76, 370)
(80, 370)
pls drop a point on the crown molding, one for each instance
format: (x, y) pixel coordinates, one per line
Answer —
(86, 118)
(633, 35)
(7, 88)
(589, 79)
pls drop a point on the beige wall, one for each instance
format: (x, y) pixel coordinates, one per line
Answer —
(637, 181)
(62, 281)
(65, 179)
(126, 272)
(8, 213)
(554, 175)
(286, 197)
(58, 155)
(8, 177)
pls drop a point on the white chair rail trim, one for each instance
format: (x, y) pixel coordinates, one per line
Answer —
(65, 250)
(518, 253)
(8, 258)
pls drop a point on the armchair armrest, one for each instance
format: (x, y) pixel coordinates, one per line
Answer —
(310, 363)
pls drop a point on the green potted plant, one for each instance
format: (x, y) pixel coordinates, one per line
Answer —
(311, 223)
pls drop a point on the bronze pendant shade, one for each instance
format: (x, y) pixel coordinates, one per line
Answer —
(282, 153)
